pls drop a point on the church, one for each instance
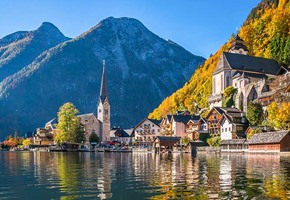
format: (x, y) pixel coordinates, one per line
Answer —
(99, 122)
(249, 74)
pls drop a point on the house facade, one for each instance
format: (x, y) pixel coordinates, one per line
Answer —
(229, 123)
(121, 136)
(47, 134)
(182, 124)
(275, 141)
(146, 131)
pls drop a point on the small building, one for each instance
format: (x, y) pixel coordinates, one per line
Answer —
(192, 128)
(163, 142)
(275, 141)
(47, 134)
(235, 145)
(166, 126)
(120, 135)
(229, 123)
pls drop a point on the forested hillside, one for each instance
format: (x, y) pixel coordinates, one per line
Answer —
(266, 33)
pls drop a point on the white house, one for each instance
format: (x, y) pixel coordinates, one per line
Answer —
(146, 131)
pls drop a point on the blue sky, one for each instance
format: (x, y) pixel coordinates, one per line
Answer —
(200, 26)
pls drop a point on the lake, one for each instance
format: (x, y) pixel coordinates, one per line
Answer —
(44, 175)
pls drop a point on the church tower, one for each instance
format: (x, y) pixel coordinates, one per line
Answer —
(238, 46)
(104, 108)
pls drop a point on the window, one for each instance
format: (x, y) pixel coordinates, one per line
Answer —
(106, 111)
(222, 130)
(229, 128)
(100, 110)
(226, 129)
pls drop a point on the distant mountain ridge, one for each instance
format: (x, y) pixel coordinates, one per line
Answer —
(142, 69)
(19, 49)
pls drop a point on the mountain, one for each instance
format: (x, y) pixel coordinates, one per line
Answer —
(19, 49)
(142, 69)
(265, 33)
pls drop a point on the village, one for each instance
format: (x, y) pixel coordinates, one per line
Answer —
(239, 83)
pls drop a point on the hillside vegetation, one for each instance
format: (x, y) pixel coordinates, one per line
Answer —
(266, 33)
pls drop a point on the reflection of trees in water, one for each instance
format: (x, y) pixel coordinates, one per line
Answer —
(272, 171)
(145, 175)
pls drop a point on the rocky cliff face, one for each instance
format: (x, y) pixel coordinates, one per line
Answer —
(142, 69)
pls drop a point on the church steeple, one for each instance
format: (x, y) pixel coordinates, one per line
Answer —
(104, 108)
(238, 46)
(104, 90)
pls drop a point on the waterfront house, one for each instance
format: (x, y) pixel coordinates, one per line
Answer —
(120, 135)
(163, 142)
(234, 145)
(179, 124)
(192, 127)
(229, 123)
(47, 134)
(146, 131)
(166, 126)
(275, 141)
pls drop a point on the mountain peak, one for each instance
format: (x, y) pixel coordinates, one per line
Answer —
(47, 25)
(49, 28)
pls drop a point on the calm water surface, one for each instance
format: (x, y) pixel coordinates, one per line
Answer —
(41, 175)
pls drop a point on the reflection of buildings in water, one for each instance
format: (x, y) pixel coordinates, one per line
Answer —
(172, 174)
(104, 168)
(213, 172)
(44, 166)
(225, 173)
(233, 172)
(18, 163)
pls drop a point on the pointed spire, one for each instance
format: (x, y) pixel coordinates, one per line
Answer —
(103, 90)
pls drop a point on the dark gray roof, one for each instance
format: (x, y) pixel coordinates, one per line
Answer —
(185, 118)
(234, 141)
(268, 137)
(155, 121)
(251, 63)
(119, 132)
(164, 138)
